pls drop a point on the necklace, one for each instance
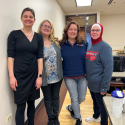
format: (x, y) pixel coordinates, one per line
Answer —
(29, 36)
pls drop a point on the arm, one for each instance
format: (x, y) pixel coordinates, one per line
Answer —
(13, 81)
(107, 64)
(40, 70)
(11, 51)
(40, 62)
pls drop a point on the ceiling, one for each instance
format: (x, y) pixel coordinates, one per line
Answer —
(116, 7)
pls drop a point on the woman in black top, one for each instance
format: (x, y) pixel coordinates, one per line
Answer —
(25, 64)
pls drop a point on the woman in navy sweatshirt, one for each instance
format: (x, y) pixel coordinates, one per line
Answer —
(73, 49)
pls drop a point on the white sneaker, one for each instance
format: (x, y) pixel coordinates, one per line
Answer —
(91, 119)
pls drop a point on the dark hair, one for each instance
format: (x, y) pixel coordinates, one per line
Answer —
(28, 9)
(79, 38)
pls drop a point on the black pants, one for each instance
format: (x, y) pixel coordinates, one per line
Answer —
(51, 98)
(99, 108)
(30, 113)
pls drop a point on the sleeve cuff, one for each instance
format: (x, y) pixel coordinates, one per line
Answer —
(103, 90)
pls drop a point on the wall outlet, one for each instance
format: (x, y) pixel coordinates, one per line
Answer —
(8, 118)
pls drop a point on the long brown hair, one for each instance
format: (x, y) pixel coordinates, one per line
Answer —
(79, 38)
(52, 34)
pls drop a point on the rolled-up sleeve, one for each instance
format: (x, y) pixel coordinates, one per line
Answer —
(11, 45)
(40, 47)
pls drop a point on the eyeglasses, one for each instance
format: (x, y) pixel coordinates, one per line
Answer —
(95, 30)
(47, 26)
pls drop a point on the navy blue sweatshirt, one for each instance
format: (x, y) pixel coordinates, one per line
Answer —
(73, 59)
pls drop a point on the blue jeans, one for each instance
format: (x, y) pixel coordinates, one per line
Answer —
(77, 89)
(99, 108)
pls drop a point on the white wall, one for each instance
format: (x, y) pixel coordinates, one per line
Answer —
(114, 31)
(10, 11)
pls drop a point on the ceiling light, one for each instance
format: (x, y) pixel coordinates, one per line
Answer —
(86, 23)
(83, 2)
(87, 18)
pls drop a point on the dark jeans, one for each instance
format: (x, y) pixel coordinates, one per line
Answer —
(51, 98)
(30, 113)
(99, 108)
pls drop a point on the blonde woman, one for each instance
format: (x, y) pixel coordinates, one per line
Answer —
(52, 71)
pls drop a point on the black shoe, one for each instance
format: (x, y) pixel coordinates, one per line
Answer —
(56, 121)
(70, 111)
(78, 122)
(50, 121)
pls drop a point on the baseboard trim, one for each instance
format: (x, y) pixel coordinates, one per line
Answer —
(36, 109)
(39, 105)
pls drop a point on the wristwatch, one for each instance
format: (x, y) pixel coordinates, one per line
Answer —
(39, 75)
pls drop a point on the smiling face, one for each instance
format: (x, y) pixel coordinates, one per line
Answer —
(46, 28)
(95, 32)
(72, 31)
(27, 19)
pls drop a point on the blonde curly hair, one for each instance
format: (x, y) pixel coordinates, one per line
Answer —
(52, 37)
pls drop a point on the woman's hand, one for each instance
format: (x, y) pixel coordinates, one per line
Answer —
(13, 83)
(38, 82)
(102, 93)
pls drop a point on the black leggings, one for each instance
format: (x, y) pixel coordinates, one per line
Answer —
(51, 98)
(30, 113)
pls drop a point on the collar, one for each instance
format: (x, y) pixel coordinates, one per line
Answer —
(68, 43)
